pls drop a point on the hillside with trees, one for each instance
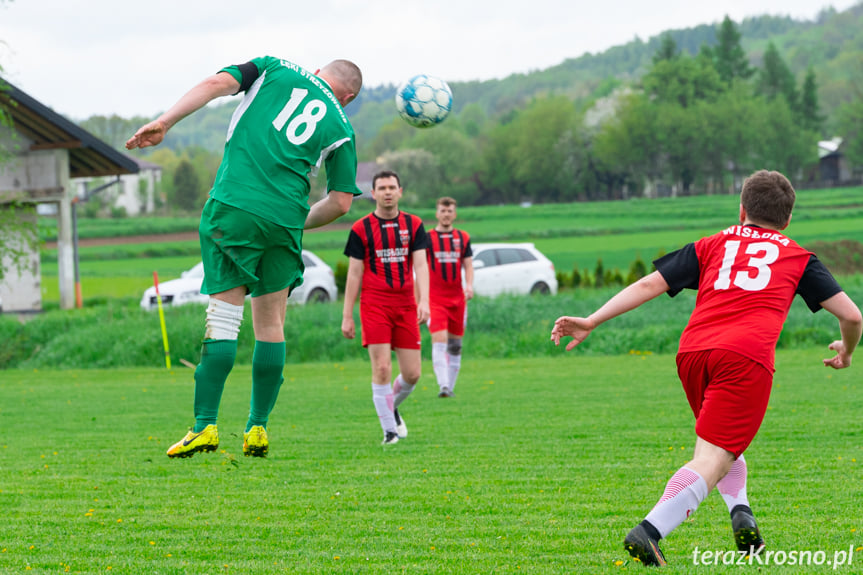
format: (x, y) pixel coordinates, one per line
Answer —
(687, 112)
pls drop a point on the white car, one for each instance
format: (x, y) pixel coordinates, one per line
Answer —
(512, 268)
(319, 286)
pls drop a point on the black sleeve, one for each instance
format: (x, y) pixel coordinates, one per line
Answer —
(421, 239)
(355, 247)
(817, 284)
(679, 269)
(468, 251)
(250, 73)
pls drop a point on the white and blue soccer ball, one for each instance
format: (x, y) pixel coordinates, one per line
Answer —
(424, 101)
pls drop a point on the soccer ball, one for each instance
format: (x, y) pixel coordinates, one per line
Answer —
(424, 101)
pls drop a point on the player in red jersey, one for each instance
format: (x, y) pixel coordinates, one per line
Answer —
(746, 277)
(449, 251)
(385, 249)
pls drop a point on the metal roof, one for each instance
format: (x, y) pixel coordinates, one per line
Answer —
(88, 155)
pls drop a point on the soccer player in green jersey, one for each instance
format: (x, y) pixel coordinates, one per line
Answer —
(288, 124)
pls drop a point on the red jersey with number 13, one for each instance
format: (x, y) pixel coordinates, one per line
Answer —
(749, 276)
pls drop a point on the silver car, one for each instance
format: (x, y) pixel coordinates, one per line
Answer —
(319, 286)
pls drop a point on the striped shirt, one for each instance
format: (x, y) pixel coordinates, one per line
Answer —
(385, 247)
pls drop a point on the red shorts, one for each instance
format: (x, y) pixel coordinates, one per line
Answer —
(728, 394)
(450, 316)
(396, 326)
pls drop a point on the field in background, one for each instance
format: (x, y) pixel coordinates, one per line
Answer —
(569, 234)
(537, 466)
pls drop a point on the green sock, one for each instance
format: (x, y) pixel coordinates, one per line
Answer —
(217, 359)
(268, 364)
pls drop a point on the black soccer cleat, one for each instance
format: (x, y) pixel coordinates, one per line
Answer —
(642, 547)
(390, 437)
(746, 534)
(401, 426)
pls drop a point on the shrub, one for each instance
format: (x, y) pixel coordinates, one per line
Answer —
(564, 280)
(599, 274)
(637, 270)
(576, 277)
(341, 275)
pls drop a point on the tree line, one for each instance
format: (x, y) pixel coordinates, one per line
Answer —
(695, 121)
(692, 124)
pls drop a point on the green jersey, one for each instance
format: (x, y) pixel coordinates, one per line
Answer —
(288, 124)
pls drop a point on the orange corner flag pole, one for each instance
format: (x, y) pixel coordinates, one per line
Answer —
(162, 321)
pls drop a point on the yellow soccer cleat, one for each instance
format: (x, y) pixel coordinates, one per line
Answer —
(207, 440)
(255, 442)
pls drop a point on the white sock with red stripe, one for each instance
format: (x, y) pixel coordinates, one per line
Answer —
(684, 492)
(732, 487)
(439, 364)
(401, 390)
(382, 396)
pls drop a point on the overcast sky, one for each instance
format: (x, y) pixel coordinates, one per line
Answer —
(137, 58)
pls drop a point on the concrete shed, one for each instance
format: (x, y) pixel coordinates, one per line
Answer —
(47, 153)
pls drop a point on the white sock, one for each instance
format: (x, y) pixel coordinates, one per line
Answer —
(401, 390)
(453, 365)
(684, 492)
(382, 396)
(439, 357)
(732, 487)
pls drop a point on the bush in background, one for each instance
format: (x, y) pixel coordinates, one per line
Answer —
(119, 334)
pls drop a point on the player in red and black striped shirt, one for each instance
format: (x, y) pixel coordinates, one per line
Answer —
(449, 251)
(385, 249)
(746, 277)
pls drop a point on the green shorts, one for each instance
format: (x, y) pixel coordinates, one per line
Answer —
(240, 249)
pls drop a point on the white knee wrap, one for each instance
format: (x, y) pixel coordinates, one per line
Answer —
(223, 320)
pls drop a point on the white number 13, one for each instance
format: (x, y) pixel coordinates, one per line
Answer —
(307, 120)
(742, 279)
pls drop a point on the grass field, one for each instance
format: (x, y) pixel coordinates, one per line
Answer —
(570, 235)
(537, 466)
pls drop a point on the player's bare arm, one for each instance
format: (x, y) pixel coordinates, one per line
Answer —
(215, 86)
(850, 328)
(422, 282)
(352, 290)
(329, 209)
(627, 299)
(467, 264)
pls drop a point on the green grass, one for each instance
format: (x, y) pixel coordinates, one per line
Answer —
(570, 235)
(110, 228)
(116, 333)
(537, 466)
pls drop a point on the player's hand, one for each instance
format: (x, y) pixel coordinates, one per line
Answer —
(149, 135)
(578, 328)
(841, 360)
(423, 312)
(468, 293)
(348, 328)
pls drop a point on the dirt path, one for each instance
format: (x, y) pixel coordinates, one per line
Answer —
(154, 238)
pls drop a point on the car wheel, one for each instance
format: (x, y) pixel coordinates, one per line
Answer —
(318, 295)
(540, 288)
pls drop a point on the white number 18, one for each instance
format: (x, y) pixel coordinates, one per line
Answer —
(308, 119)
